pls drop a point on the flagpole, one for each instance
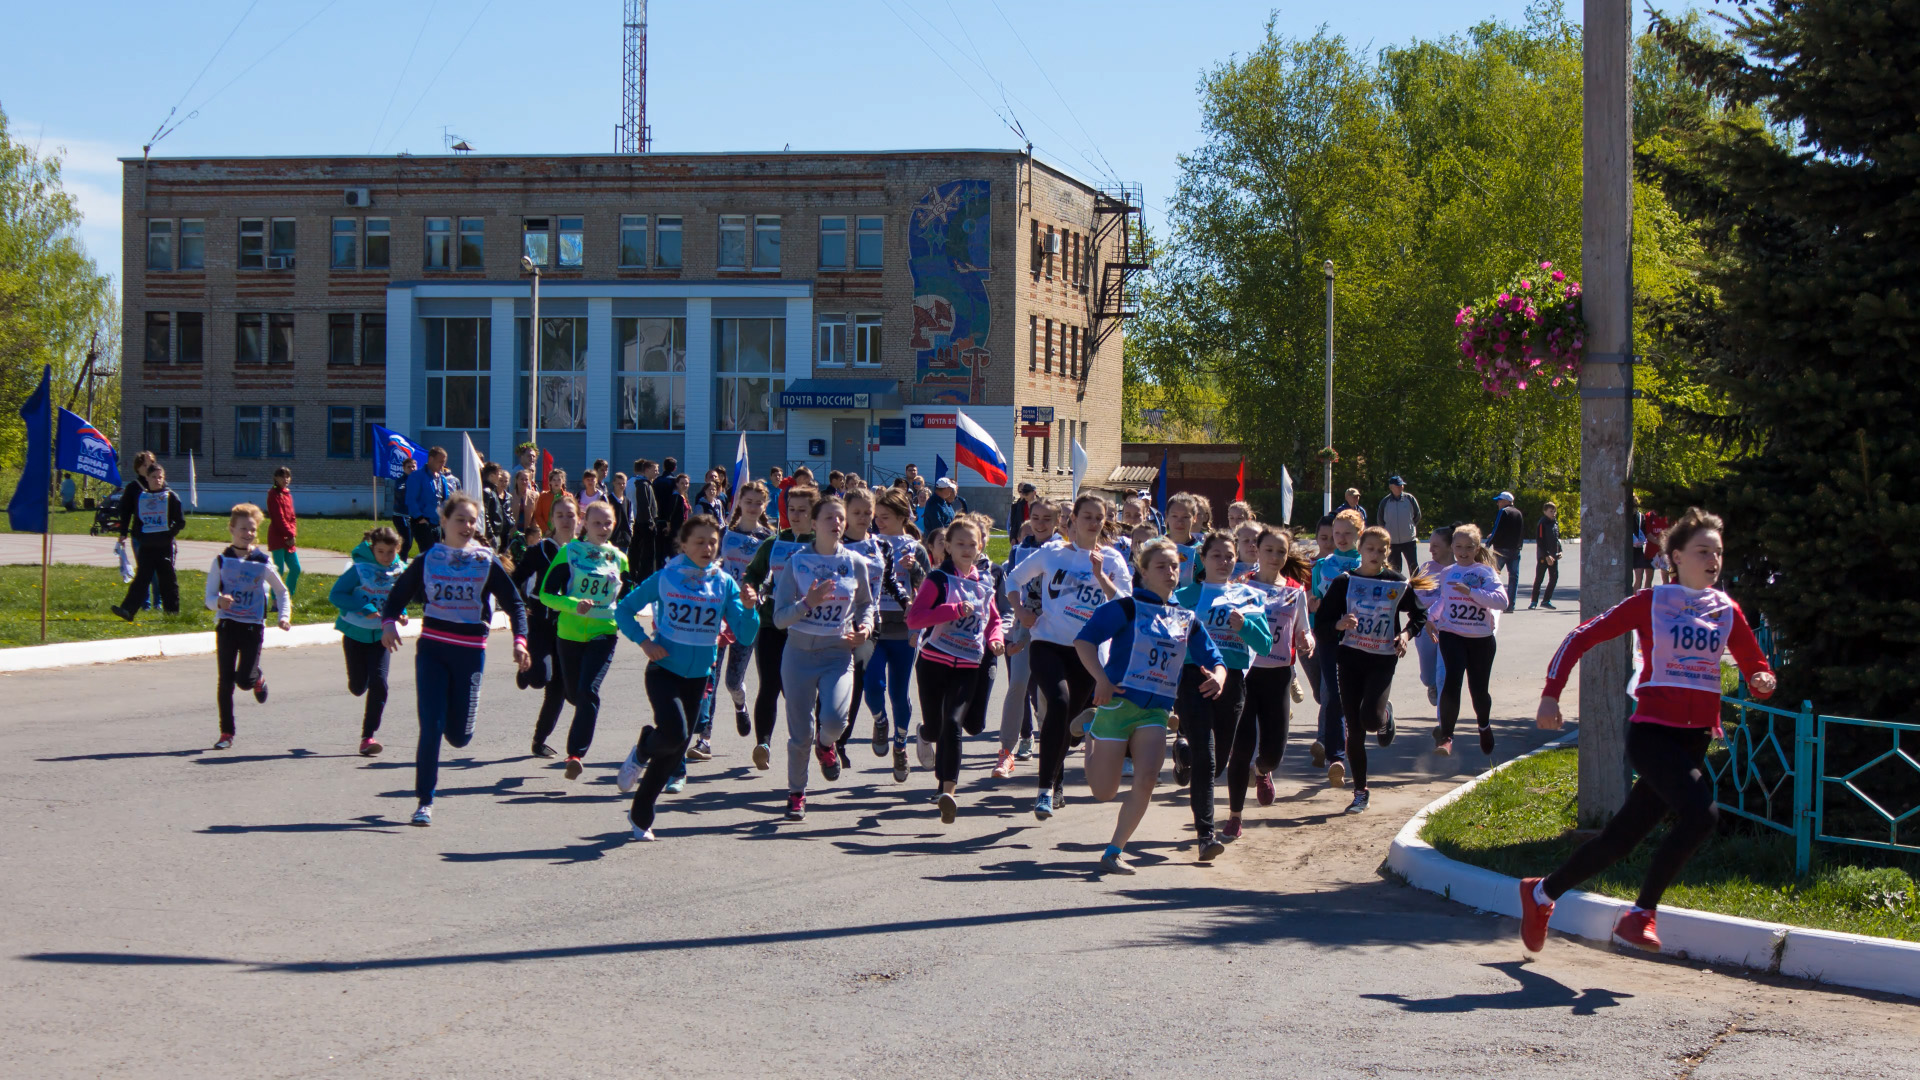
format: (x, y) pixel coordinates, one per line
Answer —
(46, 555)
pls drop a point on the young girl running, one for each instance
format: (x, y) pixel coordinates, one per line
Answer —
(1234, 616)
(1151, 637)
(1072, 586)
(955, 606)
(1016, 711)
(822, 600)
(894, 647)
(583, 584)
(860, 540)
(1330, 749)
(769, 649)
(693, 598)
(974, 722)
(1468, 600)
(747, 529)
(360, 593)
(543, 623)
(1360, 615)
(1246, 549)
(1183, 512)
(1683, 630)
(455, 578)
(283, 529)
(238, 584)
(1262, 743)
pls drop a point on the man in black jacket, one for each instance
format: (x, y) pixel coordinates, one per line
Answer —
(670, 512)
(1546, 554)
(646, 517)
(1509, 533)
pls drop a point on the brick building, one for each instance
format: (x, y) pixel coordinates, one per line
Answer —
(837, 307)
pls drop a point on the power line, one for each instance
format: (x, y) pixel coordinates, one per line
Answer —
(402, 77)
(159, 132)
(436, 75)
(328, 6)
(1114, 174)
(949, 66)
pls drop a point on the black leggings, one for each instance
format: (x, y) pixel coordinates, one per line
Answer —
(1211, 728)
(1365, 680)
(544, 676)
(1064, 688)
(975, 721)
(153, 569)
(237, 651)
(1269, 713)
(1470, 658)
(1672, 763)
(946, 697)
(676, 708)
(767, 650)
(367, 674)
(583, 666)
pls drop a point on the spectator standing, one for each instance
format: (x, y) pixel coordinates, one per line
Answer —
(67, 492)
(283, 529)
(622, 537)
(427, 490)
(641, 551)
(1506, 540)
(1352, 498)
(1655, 525)
(942, 505)
(1018, 512)
(397, 505)
(675, 508)
(1399, 514)
(666, 531)
(1546, 554)
(498, 504)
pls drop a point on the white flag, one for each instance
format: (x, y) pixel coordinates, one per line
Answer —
(469, 466)
(1079, 466)
(193, 483)
(1286, 496)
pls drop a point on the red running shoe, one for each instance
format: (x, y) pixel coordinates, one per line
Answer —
(260, 690)
(1635, 930)
(829, 761)
(1263, 789)
(1533, 916)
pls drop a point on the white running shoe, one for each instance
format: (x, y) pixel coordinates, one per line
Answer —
(629, 775)
(1126, 767)
(642, 834)
(925, 749)
(424, 815)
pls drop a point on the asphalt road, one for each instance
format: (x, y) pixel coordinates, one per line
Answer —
(265, 912)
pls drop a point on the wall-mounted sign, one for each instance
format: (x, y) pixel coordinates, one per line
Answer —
(931, 420)
(816, 448)
(1035, 431)
(892, 432)
(803, 399)
(1036, 414)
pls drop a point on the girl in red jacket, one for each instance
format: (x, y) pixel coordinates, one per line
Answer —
(1682, 631)
(282, 527)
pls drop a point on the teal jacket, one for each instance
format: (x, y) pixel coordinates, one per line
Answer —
(1237, 648)
(361, 591)
(710, 591)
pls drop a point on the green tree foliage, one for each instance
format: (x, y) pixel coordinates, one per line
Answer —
(1805, 195)
(53, 298)
(1429, 174)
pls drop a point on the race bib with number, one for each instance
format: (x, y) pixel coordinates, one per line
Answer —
(153, 511)
(869, 549)
(1463, 615)
(1690, 631)
(1215, 606)
(830, 617)
(903, 547)
(691, 606)
(593, 575)
(376, 582)
(1371, 601)
(245, 581)
(456, 583)
(736, 551)
(1159, 648)
(1286, 606)
(1074, 594)
(965, 638)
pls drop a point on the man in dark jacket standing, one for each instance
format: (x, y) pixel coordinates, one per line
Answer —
(670, 512)
(1509, 533)
(646, 519)
(1546, 554)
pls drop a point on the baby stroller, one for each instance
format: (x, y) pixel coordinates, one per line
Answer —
(107, 516)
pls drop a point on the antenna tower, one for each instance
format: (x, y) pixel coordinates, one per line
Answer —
(633, 136)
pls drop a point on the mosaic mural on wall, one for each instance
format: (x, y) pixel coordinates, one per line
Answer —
(947, 253)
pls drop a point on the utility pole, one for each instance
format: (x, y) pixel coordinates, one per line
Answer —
(1327, 476)
(1606, 400)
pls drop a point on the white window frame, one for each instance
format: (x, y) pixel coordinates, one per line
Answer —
(574, 228)
(563, 373)
(480, 374)
(352, 235)
(764, 224)
(461, 232)
(199, 234)
(160, 230)
(835, 226)
(441, 229)
(385, 231)
(734, 227)
(726, 372)
(868, 336)
(875, 227)
(832, 349)
(632, 223)
(662, 225)
(254, 229)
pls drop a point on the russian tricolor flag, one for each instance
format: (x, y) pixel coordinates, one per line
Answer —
(975, 449)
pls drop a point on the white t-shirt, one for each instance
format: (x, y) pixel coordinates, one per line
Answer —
(1068, 591)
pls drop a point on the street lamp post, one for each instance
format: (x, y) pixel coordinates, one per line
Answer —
(533, 370)
(1327, 476)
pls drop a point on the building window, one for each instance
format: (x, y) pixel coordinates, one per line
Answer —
(833, 243)
(373, 340)
(369, 416)
(458, 388)
(190, 332)
(159, 245)
(633, 239)
(750, 366)
(159, 338)
(379, 250)
(264, 338)
(159, 431)
(439, 243)
(563, 373)
(280, 244)
(339, 431)
(1033, 343)
(280, 431)
(473, 243)
(344, 254)
(766, 242)
(1038, 255)
(536, 239)
(666, 246)
(1046, 364)
(1052, 239)
(247, 434)
(340, 340)
(193, 244)
(866, 340)
(733, 242)
(1030, 441)
(1073, 351)
(1046, 452)
(253, 243)
(867, 250)
(573, 241)
(833, 341)
(650, 376)
(188, 442)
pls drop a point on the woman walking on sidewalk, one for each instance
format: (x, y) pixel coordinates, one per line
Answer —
(1682, 631)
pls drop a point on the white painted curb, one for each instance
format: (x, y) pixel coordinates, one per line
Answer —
(1868, 963)
(113, 650)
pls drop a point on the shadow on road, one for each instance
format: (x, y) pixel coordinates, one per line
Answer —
(1536, 991)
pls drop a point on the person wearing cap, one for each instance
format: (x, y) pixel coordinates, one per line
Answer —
(1508, 533)
(1153, 512)
(941, 505)
(1022, 506)
(1352, 502)
(1399, 514)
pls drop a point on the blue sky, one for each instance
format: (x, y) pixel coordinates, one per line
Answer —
(1112, 91)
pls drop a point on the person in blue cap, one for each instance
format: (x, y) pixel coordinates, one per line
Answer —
(1508, 533)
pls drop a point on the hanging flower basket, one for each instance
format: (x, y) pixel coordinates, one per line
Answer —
(1328, 455)
(1531, 333)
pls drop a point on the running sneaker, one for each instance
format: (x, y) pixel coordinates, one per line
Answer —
(370, 746)
(1337, 774)
(1024, 751)
(1385, 737)
(574, 768)
(1444, 748)
(829, 762)
(1059, 795)
(1530, 607)
(1126, 766)
(629, 775)
(1433, 696)
(424, 815)
(225, 742)
(879, 735)
(949, 807)
(676, 784)
(1211, 848)
(899, 764)
(1533, 916)
(260, 690)
(1113, 862)
(122, 612)
(542, 750)
(1299, 694)
(1077, 727)
(925, 749)
(1548, 604)
(1231, 830)
(1636, 931)
(1486, 739)
(742, 722)
(1003, 765)
(1182, 763)
(1318, 752)
(762, 756)
(1263, 789)
(1043, 806)
(701, 750)
(1359, 803)
(642, 834)
(796, 807)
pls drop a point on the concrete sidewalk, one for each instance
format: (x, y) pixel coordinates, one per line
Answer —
(81, 550)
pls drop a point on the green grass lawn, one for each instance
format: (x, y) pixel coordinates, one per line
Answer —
(79, 596)
(319, 533)
(1519, 823)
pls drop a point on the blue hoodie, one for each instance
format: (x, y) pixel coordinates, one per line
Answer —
(361, 592)
(689, 604)
(1113, 621)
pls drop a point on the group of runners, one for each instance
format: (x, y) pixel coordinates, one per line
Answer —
(1119, 639)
